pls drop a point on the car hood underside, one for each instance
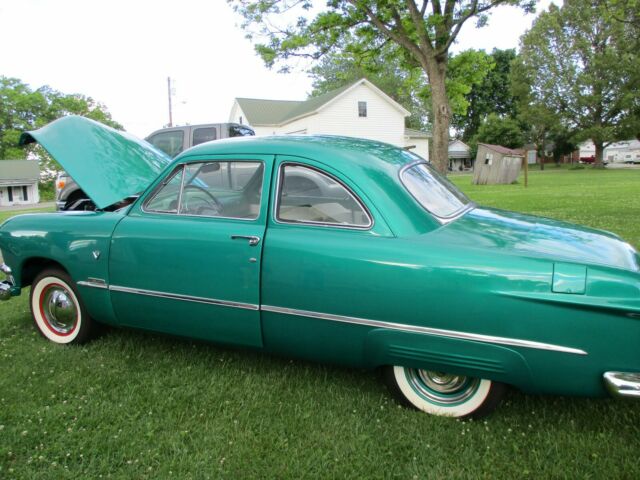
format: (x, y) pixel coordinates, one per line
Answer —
(107, 164)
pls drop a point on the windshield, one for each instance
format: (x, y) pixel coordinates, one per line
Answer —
(433, 191)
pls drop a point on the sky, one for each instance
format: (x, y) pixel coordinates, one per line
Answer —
(120, 52)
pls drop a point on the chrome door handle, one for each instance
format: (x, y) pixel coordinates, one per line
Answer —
(253, 240)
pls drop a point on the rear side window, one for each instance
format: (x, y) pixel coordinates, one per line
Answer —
(309, 196)
(202, 135)
(171, 143)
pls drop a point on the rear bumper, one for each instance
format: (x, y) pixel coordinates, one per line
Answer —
(623, 384)
(7, 287)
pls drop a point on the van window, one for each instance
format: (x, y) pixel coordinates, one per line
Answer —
(171, 143)
(201, 135)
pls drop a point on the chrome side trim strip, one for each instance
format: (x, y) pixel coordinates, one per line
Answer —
(515, 342)
(94, 283)
(186, 298)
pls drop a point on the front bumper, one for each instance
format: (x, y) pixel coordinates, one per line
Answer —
(6, 286)
(623, 384)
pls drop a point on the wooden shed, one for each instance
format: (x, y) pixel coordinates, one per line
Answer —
(496, 164)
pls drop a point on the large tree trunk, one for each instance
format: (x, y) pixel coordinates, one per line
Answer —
(599, 144)
(441, 115)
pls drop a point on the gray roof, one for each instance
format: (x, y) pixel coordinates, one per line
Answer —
(413, 133)
(503, 150)
(19, 170)
(276, 112)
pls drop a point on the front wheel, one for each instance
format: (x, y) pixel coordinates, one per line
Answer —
(57, 310)
(439, 393)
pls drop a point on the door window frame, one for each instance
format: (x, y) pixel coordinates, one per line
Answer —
(276, 203)
(265, 191)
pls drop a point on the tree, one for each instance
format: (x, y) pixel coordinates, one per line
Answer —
(423, 31)
(22, 108)
(579, 63)
(491, 95)
(500, 131)
(402, 81)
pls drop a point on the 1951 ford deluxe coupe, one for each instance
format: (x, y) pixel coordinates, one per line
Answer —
(332, 249)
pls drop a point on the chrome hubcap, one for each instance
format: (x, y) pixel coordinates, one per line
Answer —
(59, 310)
(440, 387)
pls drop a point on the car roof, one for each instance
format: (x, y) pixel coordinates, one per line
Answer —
(352, 156)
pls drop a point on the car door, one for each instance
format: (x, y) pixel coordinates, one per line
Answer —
(186, 260)
(321, 266)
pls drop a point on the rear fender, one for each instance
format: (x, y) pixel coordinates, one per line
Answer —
(451, 355)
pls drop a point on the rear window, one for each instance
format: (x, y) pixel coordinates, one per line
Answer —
(434, 192)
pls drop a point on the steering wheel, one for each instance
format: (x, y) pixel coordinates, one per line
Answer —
(214, 205)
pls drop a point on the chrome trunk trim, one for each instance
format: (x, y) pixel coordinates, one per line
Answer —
(185, 298)
(515, 342)
(623, 384)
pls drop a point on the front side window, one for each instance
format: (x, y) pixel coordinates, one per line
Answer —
(212, 189)
(309, 196)
(171, 143)
(434, 192)
(202, 135)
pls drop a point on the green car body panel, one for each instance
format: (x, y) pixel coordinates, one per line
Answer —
(544, 305)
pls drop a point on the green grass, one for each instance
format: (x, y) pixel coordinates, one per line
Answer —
(4, 214)
(132, 405)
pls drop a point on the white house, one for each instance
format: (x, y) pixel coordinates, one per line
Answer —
(19, 182)
(357, 110)
(627, 151)
(459, 156)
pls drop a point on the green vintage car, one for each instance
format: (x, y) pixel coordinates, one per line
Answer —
(332, 249)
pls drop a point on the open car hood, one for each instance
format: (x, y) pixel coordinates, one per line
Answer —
(107, 164)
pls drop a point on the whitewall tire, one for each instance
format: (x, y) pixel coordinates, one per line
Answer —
(439, 393)
(57, 310)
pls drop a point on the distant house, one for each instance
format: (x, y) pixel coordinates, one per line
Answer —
(496, 164)
(623, 152)
(459, 156)
(627, 151)
(357, 110)
(19, 182)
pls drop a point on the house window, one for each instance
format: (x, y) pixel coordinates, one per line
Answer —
(362, 109)
(25, 197)
(10, 191)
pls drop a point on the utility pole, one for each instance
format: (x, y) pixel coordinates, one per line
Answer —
(169, 93)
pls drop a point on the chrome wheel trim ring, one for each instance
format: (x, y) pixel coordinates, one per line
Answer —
(442, 388)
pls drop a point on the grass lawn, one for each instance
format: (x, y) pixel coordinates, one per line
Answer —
(133, 405)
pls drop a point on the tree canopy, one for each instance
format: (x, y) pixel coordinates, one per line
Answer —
(578, 67)
(22, 108)
(422, 30)
(491, 95)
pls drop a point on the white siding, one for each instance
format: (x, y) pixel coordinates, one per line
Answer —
(422, 146)
(383, 122)
(237, 114)
(33, 196)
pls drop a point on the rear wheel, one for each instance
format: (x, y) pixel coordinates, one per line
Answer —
(439, 393)
(57, 310)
